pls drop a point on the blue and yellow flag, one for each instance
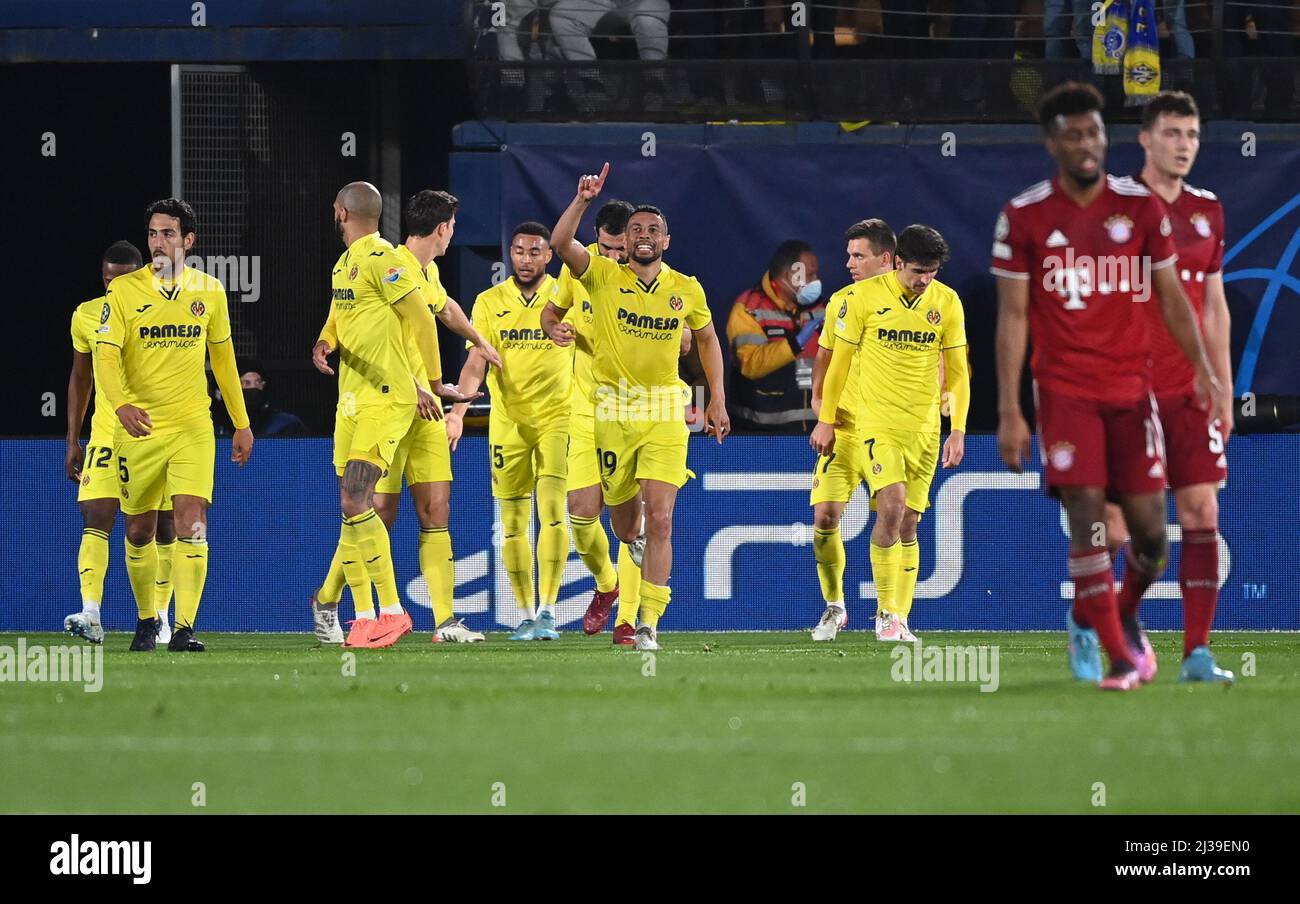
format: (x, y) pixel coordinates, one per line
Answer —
(1110, 38)
(1142, 59)
(1127, 42)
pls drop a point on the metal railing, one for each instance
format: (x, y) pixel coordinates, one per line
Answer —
(877, 60)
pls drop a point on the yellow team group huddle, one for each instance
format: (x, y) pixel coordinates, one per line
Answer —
(588, 413)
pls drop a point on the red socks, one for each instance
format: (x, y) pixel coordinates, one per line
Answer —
(1094, 596)
(1139, 573)
(1199, 576)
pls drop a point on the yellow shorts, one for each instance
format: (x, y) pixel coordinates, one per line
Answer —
(837, 475)
(151, 469)
(902, 456)
(519, 454)
(371, 434)
(632, 451)
(584, 466)
(423, 456)
(98, 471)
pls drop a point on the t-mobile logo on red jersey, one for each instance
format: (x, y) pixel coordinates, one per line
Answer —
(1077, 277)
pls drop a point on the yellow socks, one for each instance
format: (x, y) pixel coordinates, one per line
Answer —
(92, 565)
(516, 554)
(366, 533)
(163, 581)
(909, 565)
(629, 587)
(438, 566)
(189, 573)
(593, 548)
(828, 550)
(886, 562)
(552, 538)
(331, 591)
(142, 571)
(349, 560)
(654, 600)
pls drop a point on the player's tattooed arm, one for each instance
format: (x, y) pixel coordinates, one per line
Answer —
(1181, 321)
(1217, 322)
(563, 236)
(555, 326)
(79, 383)
(1012, 341)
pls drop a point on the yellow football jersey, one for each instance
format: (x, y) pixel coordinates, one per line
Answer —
(533, 388)
(85, 322)
(851, 397)
(900, 339)
(637, 328)
(580, 315)
(367, 280)
(436, 297)
(164, 330)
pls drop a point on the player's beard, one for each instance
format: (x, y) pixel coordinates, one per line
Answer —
(654, 256)
(338, 229)
(532, 284)
(1085, 180)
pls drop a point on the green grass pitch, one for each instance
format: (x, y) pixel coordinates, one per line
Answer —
(751, 723)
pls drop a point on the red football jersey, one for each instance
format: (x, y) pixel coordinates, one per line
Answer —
(1197, 219)
(1090, 271)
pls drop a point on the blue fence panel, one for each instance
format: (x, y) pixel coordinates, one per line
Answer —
(742, 548)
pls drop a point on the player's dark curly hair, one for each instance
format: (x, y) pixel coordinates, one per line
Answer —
(531, 227)
(123, 252)
(1068, 99)
(877, 233)
(650, 208)
(174, 207)
(427, 210)
(1175, 103)
(613, 216)
(922, 245)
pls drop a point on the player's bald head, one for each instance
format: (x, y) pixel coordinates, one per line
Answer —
(362, 200)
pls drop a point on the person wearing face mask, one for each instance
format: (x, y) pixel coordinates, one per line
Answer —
(267, 421)
(773, 329)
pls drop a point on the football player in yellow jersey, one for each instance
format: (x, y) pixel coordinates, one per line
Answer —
(158, 326)
(899, 325)
(379, 306)
(423, 456)
(870, 249)
(95, 469)
(528, 426)
(639, 310)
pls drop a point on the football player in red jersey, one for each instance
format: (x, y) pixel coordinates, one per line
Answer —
(1076, 256)
(1195, 458)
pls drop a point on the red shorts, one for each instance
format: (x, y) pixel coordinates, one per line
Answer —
(1117, 446)
(1193, 444)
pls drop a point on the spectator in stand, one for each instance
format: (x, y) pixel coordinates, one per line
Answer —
(773, 330)
(263, 419)
(508, 46)
(573, 21)
(1067, 25)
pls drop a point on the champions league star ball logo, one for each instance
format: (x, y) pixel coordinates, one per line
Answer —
(1120, 229)
(103, 318)
(352, 274)
(1061, 456)
(1201, 223)
(197, 309)
(675, 303)
(933, 317)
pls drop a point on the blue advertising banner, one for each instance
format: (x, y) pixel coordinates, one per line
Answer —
(993, 545)
(730, 204)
